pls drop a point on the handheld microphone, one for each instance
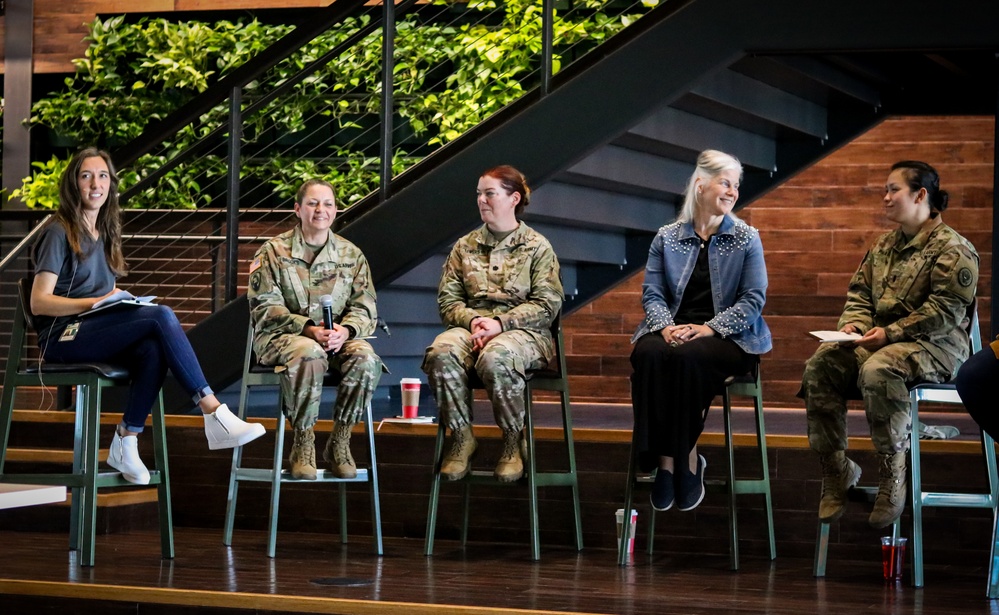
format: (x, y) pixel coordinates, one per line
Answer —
(327, 302)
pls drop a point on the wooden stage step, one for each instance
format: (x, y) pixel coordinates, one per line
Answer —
(711, 436)
(45, 455)
(200, 476)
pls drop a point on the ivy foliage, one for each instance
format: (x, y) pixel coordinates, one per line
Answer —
(448, 77)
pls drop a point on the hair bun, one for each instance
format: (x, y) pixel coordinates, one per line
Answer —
(940, 200)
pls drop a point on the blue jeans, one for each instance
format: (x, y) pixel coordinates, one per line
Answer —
(146, 339)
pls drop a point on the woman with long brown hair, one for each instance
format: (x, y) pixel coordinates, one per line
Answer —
(77, 260)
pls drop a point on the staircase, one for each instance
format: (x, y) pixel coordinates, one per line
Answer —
(45, 439)
(777, 83)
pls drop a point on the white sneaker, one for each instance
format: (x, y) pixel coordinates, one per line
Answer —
(226, 430)
(124, 457)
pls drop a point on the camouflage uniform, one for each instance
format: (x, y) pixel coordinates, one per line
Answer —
(516, 281)
(919, 292)
(284, 298)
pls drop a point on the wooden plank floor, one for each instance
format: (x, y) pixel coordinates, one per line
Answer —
(314, 573)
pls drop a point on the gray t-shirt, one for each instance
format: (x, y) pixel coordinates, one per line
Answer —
(90, 277)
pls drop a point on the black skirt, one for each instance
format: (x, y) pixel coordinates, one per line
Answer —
(672, 389)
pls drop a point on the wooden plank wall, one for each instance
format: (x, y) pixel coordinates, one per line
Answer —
(815, 229)
(61, 26)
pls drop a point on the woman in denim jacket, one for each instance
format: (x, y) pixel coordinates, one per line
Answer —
(704, 290)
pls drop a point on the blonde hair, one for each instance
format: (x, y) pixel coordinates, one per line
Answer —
(710, 164)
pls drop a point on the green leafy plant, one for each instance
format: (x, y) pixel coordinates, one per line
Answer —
(447, 78)
(42, 188)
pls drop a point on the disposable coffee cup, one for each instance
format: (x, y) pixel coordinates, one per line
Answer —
(632, 527)
(410, 397)
(892, 557)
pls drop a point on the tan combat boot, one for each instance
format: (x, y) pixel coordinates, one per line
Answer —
(303, 454)
(839, 473)
(457, 461)
(337, 452)
(510, 466)
(891, 490)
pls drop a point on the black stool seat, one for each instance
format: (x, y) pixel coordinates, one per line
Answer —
(104, 370)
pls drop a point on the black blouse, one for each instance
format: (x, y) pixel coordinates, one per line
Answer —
(697, 307)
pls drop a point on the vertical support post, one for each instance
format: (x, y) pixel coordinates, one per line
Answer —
(547, 44)
(388, 69)
(218, 271)
(994, 308)
(17, 44)
(232, 200)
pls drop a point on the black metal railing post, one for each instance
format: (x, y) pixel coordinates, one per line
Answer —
(388, 69)
(547, 44)
(232, 200)
(218, 270)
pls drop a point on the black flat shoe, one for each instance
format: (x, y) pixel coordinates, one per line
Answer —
(662, 490)
(692, 486)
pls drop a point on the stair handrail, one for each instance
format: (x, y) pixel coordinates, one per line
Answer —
(230, 88)
(548, 84)
(17, 251)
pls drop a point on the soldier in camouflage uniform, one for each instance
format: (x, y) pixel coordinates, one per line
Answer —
(288, 276)
(498, 295)
(908, 300)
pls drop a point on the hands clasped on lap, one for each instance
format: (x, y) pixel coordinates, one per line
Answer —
(483, 330)
(679, 334)
(330, 339)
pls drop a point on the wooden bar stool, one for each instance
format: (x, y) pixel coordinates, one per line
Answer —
(542, 380)
(90, 379)
(747, 385)
(255, 375)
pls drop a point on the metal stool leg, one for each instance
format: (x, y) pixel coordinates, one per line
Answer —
(164, 501)
(91, 446)
(733, 511)
(466, 504)
(342, 497)
(761, 438)
(376, 506)
(76, 497)
(629, 489)
(989, 452)
(571, 458)
(532, 476)
(237, 462)
(821, 550)
(435, 489)
(275, 487)
(915, 487)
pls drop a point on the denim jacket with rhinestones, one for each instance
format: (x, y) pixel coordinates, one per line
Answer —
(738, 281)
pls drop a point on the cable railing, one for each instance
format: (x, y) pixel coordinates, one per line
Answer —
(357, 96)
